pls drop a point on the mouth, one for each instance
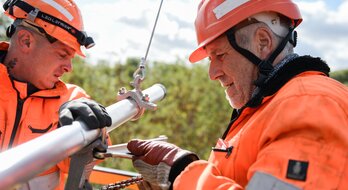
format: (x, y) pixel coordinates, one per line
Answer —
(57, 75)
(226, 86)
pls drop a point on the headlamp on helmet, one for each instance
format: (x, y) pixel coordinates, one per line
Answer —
(60, 19)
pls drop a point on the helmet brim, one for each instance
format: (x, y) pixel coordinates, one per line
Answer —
(197, 55)
(80, 53)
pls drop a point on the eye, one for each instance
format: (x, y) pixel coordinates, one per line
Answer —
(220, 56)
(62, 55)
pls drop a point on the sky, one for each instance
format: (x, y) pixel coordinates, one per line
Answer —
(122, 29)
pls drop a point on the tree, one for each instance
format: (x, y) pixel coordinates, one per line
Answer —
(4, 23)
(193, 114)
(341, 76)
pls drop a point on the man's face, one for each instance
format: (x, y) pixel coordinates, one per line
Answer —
(48, 62)
(235, 73)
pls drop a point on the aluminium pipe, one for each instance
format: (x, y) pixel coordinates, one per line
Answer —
(123, 111)
(22, 163)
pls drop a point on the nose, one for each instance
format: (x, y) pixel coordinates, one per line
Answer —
(215, 69)
(67, 66)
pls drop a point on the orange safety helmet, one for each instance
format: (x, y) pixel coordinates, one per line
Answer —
(215, 17)
(60, 19)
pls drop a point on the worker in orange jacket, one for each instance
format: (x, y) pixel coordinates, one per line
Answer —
(44, 37)
(288, 130)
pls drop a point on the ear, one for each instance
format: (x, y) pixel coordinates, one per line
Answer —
(25, 40)
(263, 43)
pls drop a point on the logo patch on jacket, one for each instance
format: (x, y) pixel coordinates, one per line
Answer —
(297, 170)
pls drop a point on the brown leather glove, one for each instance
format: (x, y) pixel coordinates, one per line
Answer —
(159, 162)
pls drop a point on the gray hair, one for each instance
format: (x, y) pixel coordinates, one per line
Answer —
(244, 36)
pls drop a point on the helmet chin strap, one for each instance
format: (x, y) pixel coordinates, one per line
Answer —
(265, 66)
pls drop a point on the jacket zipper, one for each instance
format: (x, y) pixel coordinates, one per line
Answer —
(18, 119)
(228, 150)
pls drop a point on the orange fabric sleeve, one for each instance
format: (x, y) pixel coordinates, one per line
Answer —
(203, 175)
(312, 134)
(309, 129)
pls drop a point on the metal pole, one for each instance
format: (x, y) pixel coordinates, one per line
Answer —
(22, 163)
(123, 111)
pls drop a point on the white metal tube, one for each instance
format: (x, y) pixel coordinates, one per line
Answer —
(126, 109)
(21, 163)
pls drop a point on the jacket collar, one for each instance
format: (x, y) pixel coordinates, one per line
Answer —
(25, 88)
(283, 72)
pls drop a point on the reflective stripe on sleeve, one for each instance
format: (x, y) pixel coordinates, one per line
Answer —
(263, 181)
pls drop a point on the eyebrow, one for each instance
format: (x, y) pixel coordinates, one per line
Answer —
(66, 51)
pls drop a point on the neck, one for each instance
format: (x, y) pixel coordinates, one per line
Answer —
(12, 63)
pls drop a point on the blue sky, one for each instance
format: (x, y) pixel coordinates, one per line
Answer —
(122, 28)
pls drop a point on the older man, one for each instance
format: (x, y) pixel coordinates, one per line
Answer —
(289, 126)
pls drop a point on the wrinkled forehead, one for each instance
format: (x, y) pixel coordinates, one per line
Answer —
(219, 44)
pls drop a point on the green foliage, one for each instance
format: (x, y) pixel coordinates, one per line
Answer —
(4, 23)
(193, 114)
(341, 76)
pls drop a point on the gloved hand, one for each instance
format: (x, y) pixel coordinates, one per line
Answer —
(159, 162)
(93, 114)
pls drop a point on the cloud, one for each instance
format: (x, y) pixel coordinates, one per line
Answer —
(324, 32)
(122, 28)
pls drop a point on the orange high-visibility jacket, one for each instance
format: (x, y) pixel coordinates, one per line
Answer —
(296, 139)
(23, 117)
